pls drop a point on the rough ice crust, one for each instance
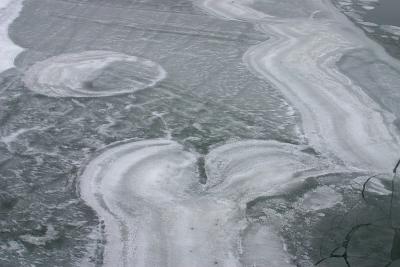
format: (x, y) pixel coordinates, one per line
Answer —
(9, 10)
(338, 117)
(156, 213)
(92, 74)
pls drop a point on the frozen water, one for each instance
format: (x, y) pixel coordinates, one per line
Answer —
(204, 133)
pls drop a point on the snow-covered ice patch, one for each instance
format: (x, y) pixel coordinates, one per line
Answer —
(368, 7)
(320, 198)
(9, 10)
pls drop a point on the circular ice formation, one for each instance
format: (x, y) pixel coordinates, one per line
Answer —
(92, 74)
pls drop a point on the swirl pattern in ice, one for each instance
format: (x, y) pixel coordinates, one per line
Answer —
(92, 74)
(156, 213)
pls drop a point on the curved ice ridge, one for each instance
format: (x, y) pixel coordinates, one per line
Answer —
(9, 10)
(92, 74)
(338, 118)
(156, 213)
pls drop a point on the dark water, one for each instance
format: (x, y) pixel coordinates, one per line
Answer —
(386, 13)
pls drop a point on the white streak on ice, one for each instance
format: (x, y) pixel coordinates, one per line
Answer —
(9, 10)
(232, 9)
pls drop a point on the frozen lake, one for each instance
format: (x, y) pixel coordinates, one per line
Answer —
(199, 133)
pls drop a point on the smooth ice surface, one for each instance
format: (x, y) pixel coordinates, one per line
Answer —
(9, 10)
(92, 74)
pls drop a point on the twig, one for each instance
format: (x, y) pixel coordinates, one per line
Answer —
(365, 185)
(395, 167)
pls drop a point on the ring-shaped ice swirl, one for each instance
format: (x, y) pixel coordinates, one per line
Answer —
(92, 74)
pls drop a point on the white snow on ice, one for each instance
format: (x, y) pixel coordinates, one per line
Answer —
(322, 197)
(9, 10)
